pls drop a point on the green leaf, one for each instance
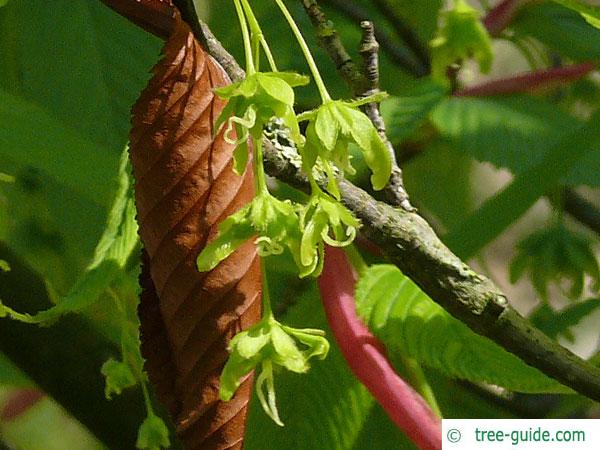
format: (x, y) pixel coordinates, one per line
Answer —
(565, 32)
(153, 434)
(410, 323)
(589, 9)
(110, 256)
(555, 323)
(3, 2)
(106, 70)
(497, 213)
(30, 136)
(405, 113)
(514, 132)
(118, 376)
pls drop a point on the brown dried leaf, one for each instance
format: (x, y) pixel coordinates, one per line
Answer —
(185, 186)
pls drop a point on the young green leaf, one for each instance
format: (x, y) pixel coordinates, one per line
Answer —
(153, 434)
(118, 376)
(461, 36)
(410, 323)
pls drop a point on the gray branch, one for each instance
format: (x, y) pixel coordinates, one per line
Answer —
(410, 243)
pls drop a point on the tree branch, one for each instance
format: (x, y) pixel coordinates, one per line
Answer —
(411, 244)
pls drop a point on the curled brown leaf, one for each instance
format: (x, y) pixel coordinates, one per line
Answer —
(184, 187)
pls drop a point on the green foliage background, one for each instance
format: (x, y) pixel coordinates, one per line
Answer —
(70, 70)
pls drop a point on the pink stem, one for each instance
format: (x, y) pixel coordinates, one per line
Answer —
(366, 356)
(529, 81)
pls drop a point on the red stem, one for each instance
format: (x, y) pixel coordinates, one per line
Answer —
(529, 81)
(366, 356)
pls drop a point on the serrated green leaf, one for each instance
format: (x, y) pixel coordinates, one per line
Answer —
(497, 213)
(514, 132)
(405, 113)
(408, 321)
(153, 434)
(555, 323)
(118, 376)
(565, 32)
(114, 248)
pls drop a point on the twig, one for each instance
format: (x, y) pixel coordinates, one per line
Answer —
(399, 55)
(368, 50)
(329, 39)
(360, 83)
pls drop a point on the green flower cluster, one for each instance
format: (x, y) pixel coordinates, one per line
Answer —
(252, 103)
(270, 345)
(461, 37)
